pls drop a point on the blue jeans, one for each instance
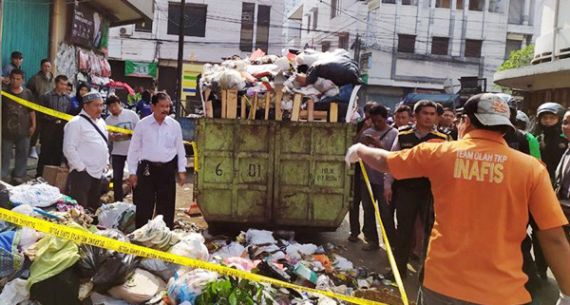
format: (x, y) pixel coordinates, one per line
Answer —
(22, 149)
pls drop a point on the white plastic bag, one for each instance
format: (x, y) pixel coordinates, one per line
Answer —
(259, 237)
(15, 292)
(191, 245)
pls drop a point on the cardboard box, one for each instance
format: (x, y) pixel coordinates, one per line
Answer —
(56, 176)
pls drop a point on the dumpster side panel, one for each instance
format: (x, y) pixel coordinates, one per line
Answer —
(235, 181)
(312, 182)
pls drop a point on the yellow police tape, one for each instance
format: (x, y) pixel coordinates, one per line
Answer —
(68, 117)
(84, 237)
(391, 259)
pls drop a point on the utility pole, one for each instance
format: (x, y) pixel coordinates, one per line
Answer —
(357, 49)
(181, 28)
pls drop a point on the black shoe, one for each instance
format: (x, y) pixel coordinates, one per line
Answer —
(353, 238)
(370, 247)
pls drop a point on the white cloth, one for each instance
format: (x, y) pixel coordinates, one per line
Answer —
(156, 142)
(127, 119)
(84, 147)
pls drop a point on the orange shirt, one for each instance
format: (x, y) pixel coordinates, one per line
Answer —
(483, 192)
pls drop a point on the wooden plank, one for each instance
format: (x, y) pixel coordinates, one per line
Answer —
(311, 110)
(209, 109)
(267, 105)
(253, 108)
(224, 104)
(296, 107)
(333, 113)
(243, 107)
(278, 99)
(231, 103)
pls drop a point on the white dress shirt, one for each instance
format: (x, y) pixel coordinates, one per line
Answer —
(83, 146)
(156, 142)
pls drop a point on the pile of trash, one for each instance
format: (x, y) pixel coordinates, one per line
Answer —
(43, 269)
(323, 77)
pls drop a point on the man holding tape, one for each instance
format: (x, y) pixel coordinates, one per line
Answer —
(155, 155)
(483, 195)
(85, 147)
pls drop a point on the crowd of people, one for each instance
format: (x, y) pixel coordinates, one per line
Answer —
(153, 152)
(451, 192)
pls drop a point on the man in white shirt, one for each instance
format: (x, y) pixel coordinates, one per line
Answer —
(85, 147)
(155, 155)
(126, 119)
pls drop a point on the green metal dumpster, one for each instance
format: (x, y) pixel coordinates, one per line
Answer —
(273, 174)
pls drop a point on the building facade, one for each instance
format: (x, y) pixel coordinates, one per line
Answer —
(418, 45)
(213, 30)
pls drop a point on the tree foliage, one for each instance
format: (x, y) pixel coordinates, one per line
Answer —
(518, 58)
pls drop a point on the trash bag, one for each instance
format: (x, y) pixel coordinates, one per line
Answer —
(186, 287)
(159, 268)
(106, 268)
(191, 245)
(118, 215)
(340, 69)
(5, 197)
(15, 292)
(155, 234)
(140, 287)
(61, 287)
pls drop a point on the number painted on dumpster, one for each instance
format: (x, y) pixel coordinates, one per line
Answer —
(254, 170)
(219, 171)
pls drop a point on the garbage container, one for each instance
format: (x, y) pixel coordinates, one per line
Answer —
(273, 174)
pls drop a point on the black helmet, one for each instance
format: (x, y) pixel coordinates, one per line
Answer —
(550, 107)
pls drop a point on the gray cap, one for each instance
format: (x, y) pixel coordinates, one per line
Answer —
(91, 96)
(490, 109)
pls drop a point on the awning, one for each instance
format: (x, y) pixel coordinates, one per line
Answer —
(126, 11)
(550, 75)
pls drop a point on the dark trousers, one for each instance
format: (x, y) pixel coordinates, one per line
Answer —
(529, 268)
(35, 137)
(354, 210)
(429, 297)
(409, 203)
(85, 189)
(51, 152)
(386, 213)
(118, 163)
(156, 186)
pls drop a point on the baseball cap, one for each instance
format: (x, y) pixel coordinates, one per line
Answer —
(91, 96)
(490, 109)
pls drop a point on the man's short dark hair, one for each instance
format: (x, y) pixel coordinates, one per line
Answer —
(44, 61)
(16, 72)
(145, 96)
(439, 109)
(112, 99)
(379, 109)
(448, 109)
(423, 104)
(369, 105)
(404, 108)
(159, 97)
(17, 55)
(61, 77)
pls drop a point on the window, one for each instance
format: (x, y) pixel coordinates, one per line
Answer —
(406, 43)
(439, 45)
(309, 25)
(443, 3)
(516, 12)
(315, 18)
(263, 18)
(334, 8)
(343, 40)
(459, 5)
(194, 19)
(246, 33)
(325, 46)
(497, 6)
(512, 45)
(389, 1)
(144, 26)
(408, 2)
(476, 5)
(473, 48)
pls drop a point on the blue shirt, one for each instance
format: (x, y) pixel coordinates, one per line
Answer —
(143, 108)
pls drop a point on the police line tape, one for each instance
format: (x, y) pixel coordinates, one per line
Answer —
(68, 117)
(79, 236)
(382, 232)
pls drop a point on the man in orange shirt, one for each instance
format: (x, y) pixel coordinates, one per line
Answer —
(483, 195)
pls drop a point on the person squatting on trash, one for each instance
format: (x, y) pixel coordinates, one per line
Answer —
(122, 118)
(483, 195)
(155, 156)
(412, 198)
(85, 147)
